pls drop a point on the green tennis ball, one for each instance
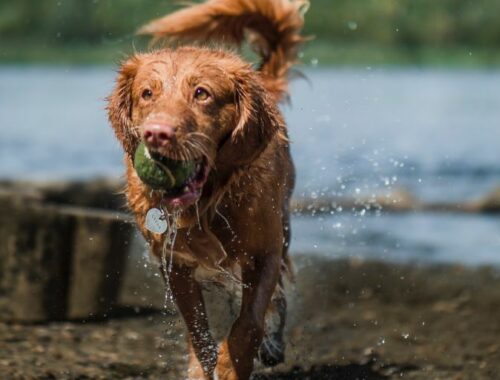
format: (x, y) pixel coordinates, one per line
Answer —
(161, 173)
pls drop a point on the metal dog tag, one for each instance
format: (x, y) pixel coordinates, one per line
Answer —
(156, 221)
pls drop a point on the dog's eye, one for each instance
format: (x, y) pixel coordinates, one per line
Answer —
(147, 94)
(201, 94)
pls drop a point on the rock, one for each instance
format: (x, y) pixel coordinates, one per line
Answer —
(58, 261)
(491, 203)
(100, 193)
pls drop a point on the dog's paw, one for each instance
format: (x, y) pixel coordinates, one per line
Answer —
(272, 350)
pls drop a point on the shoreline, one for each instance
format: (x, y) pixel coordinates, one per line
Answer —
(107, 193)
(347, 320)
(317, 54)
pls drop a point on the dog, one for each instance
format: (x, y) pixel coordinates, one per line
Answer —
(231, 217)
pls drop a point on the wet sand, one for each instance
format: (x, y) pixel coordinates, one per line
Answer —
(348, 320)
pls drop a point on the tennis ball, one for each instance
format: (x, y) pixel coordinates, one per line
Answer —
(161, 173)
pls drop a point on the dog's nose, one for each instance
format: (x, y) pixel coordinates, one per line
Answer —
(158, 135)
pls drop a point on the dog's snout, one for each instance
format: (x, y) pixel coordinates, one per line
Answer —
(158, 135)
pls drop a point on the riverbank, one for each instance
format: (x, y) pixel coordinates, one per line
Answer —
(106, 193)
(346, 32)
(315, 53)
(348, 320)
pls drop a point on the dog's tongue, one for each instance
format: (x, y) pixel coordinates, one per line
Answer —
(188, 197)
(191, 192)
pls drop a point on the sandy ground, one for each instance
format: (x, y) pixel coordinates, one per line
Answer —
(348, 320)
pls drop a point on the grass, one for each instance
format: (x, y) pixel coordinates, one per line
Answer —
(320, 53)
(29, 52)
(324, 53)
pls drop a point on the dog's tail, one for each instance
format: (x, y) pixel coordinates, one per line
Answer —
(272, 27)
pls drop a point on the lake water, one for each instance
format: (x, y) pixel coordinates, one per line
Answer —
(364, 131)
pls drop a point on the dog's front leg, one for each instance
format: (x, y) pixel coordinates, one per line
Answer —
(189, 299)
(237, 353)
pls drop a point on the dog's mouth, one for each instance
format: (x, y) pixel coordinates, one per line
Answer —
(191, 189)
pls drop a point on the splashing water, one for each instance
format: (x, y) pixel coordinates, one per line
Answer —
(225, 220)
(168, 245)
(197, 214)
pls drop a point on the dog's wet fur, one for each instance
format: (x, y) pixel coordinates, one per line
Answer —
(209, 105)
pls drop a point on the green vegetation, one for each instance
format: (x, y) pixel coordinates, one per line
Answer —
(370, 32)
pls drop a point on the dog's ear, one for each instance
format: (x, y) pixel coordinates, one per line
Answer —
(120, 105)
(257, 121)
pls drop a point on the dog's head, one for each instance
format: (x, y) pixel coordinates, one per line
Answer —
(193, 104)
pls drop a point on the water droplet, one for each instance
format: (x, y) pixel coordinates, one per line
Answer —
(352, 25)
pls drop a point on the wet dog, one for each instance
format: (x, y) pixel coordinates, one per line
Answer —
(231, 219)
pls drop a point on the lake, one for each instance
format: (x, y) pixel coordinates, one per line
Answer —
(361, 131)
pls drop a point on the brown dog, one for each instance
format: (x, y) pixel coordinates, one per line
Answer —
(210, 106)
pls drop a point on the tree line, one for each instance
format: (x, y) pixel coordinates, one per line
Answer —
(411, 23)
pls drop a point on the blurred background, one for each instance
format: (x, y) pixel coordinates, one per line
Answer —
(450, 32)
(396, 138)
